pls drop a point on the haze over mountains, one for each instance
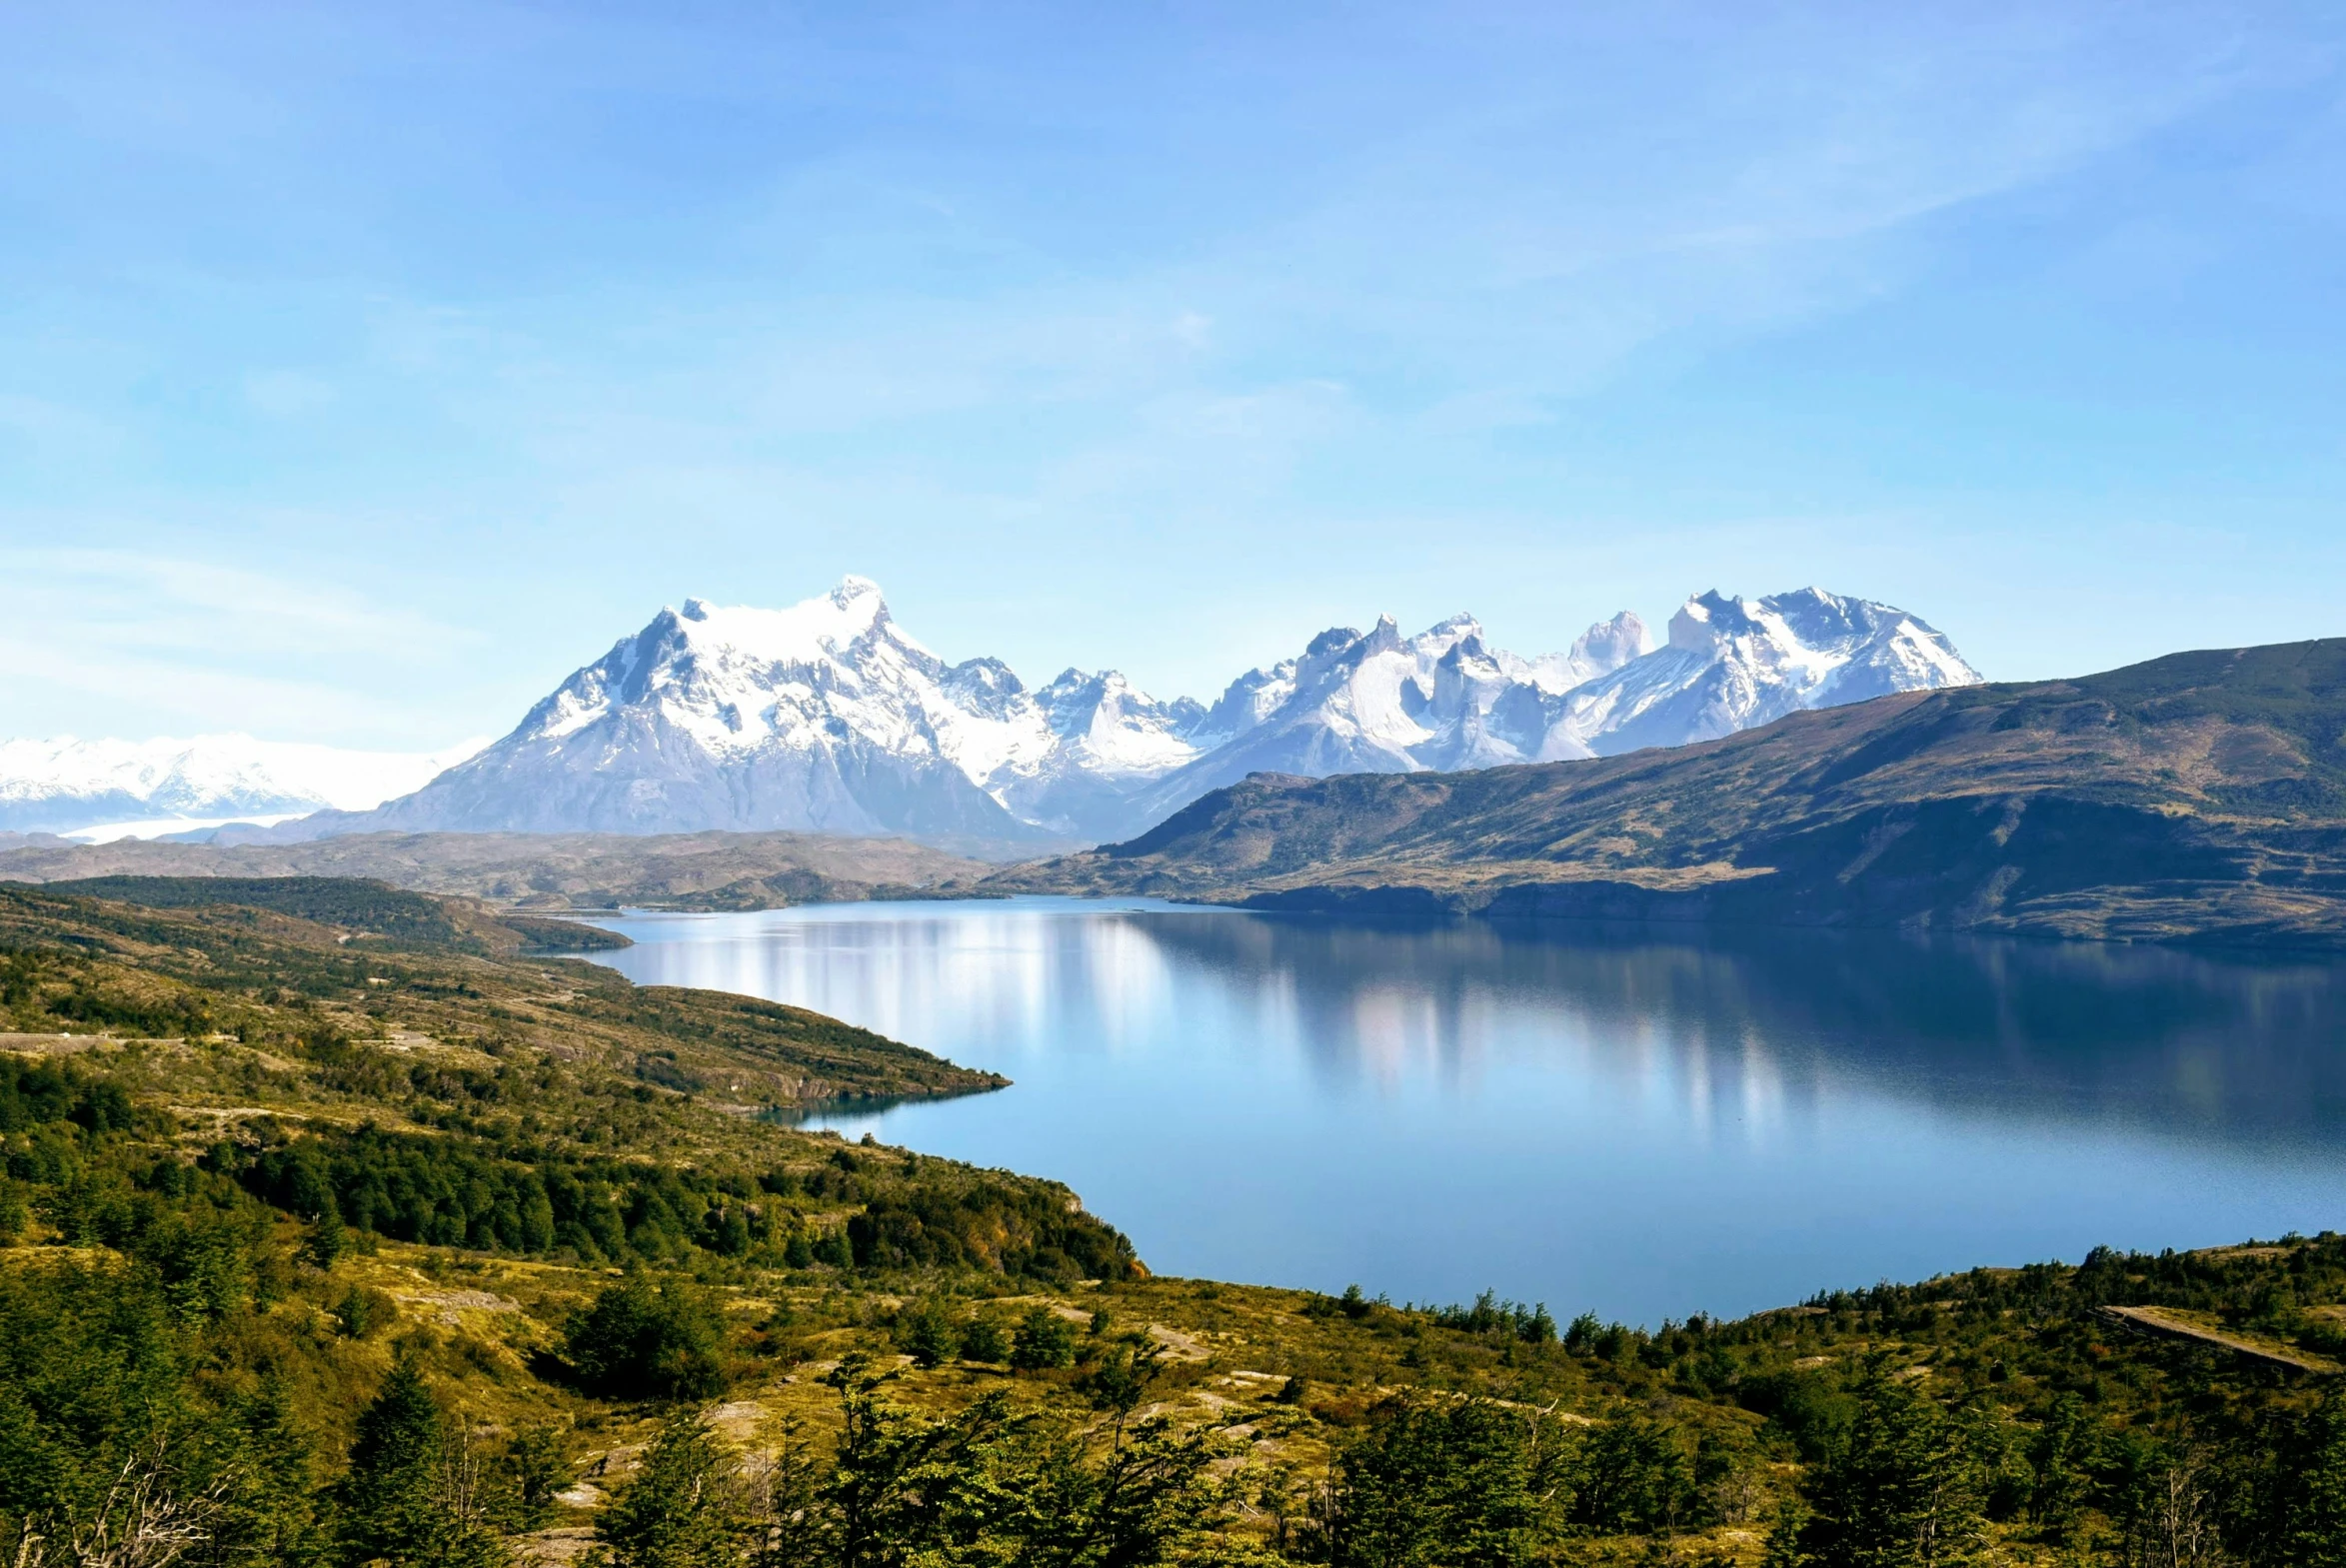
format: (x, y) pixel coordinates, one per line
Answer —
(828, 716)
(64, 785)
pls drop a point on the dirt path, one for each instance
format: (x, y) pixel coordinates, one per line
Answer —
(2166, 1322)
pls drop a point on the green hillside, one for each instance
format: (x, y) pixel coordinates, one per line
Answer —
(333, 1254)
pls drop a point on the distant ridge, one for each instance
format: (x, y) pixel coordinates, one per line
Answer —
(544, 871)
(64, 785)
(2199, 798)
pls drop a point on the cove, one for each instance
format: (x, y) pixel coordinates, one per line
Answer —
(1646, 1123)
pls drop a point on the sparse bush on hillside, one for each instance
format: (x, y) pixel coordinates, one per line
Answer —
(645, 1342)
(1043, 1340)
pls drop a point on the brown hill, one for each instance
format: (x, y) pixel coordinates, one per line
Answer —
(710, 871)
(2200, 797)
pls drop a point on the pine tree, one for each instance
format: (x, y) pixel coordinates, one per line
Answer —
(1043, 1341)
(2316, 1536)
(404, 1503)
(388, 1501)
(925, 1332)
(271, 1515)
(1902, 1492)
(683, 1510)
(327, 1239)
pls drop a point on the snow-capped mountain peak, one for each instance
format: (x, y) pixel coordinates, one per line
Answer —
(823, 716)
(1608, 644)
(826, 715)
(1733, 663)
(1117, 726)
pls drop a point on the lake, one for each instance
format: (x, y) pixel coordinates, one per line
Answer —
(1646, 1123)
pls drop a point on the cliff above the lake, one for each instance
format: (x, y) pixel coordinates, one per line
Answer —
(2196, 798)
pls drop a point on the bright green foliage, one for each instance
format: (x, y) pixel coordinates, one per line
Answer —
(1434, 1481)
(925, 1331)
(1630, 1475)
(2315, 1494)
(2059, 1469)
(408, 1499)
(984, 1222)
(685, 1509)
(1150, 1501)
(904, 1483)
(988, 1485)
(534, 1467)
(273, 1513)
(99, 1382)
(646, 1341)
(982, 1339)
(1902, 1493)
(1119, 1380)
(530, 1199)
(1043, 1340)
(90, 1372)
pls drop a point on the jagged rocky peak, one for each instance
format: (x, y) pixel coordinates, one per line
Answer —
(1080, 703)
(826, 715)
(1825, 633)
(1708, 619)
(985, 686)
(1608, 644)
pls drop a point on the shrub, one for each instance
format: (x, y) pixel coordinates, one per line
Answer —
(925, 1332)
(982, 1339)
(1043, 1339)
(639, 1342)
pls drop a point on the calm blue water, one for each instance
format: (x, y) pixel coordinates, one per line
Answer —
(1646, 1125)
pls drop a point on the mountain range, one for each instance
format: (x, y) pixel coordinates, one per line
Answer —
(828, 716)
(65, 784)
(2200, 797)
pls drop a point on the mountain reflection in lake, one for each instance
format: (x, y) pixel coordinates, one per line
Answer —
(1647, 1123)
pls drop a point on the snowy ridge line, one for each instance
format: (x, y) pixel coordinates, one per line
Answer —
(828, 716)
(65, 784)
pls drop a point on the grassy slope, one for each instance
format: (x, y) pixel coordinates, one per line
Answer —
(710, 871)
(438, 979)
(2201, 796)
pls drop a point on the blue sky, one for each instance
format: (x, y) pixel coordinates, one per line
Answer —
(364, 370)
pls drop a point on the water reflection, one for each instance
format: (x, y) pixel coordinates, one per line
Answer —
(2196, 1043)
(1649, 1123)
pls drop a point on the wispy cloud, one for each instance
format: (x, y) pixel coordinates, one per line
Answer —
(1082, 314)
(197, 644)
(140, 597)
